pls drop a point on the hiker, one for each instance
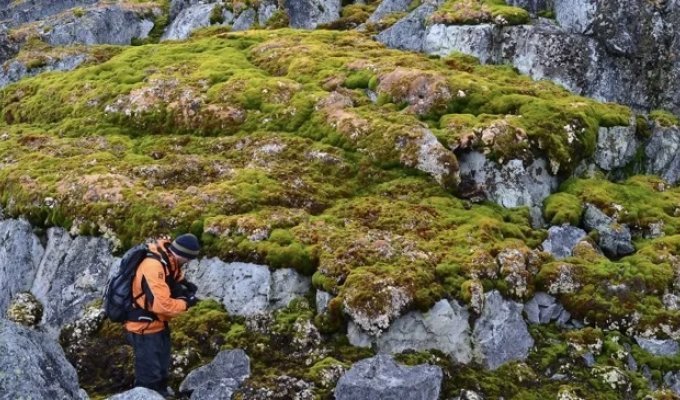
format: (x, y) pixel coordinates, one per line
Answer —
(159, 293)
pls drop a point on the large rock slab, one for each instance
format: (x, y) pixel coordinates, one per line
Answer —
(94, 27)
(562, 240)
(475, 40)
(16, 13)
(243, 288)
(20, 255)
(380, 377)
(615, 239)
(510, 184)
(286, 285)
(188, 20)
(138, 393)
(220, 378)
(444, 327)
(576, 16)
(662, 153)
(659, 347)
(15, 70)
(72, 273)
(616, 147)
(387, 7)
(34, 366)
(409, 32)
(308, 14)
(500, 334)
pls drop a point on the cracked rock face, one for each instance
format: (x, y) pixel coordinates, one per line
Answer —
(409, 33)
(14, 71)
(34, 366)
(287, 285)
(663, 153)
(72, 273)
(308, 14)
(615, 239)
(187, 20)
(380, 377)
(616, 147)
(20, 255)
(562, 240)
(224, 374)
(500, 334)
(544, 308)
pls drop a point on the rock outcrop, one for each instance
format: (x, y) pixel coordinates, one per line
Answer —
(663, 153)
(138, 393)
(218, 379)
(500, 334)
(614, 238)
(380, 377)
(562, 240)
(20, 256)
(34, 366)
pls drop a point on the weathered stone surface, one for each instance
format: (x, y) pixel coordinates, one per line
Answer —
(94, 27)
(308, 14)
(188, 20)
(138, 393)
(20, 255)
(510, 184)
(322, 300)
(544, 308)
(562, 240)
(244, 20)
(388, 6)
(615, 239)
(576, 16)
(500, 334)
(476, 40)
(226, 372)
(616, 147)
(672, 381)
(659, 347)
(533, 6)
(380, 377)
(243, 288)
(16, 13)
(15, 70)
(286, 284)
(444, 327)
(266, 10)
(409, 32)
(73, 273)
(662, 153)
(34, 366)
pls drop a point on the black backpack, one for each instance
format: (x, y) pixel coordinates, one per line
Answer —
(118, 300)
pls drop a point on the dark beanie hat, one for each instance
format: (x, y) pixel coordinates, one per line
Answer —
(186, 246)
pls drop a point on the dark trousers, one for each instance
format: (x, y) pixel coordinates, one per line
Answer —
(152, 359)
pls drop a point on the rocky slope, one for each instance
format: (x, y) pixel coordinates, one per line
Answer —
(353, 199)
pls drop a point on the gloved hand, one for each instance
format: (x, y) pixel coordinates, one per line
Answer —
(191, 288)
(192, 300)
(177, 291)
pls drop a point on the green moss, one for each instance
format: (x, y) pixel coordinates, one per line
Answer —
(664, 118)
(563, 208)
(470, 12)
(216, 16)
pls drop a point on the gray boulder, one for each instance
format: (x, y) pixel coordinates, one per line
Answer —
(266, 10)
(475, 40)
(15, 70)
(220, 378)
(500, 334)
(615, 238)
(659, 347)
(544, 308)
(15, 13)
(445, 327)
(510, 184)
(380, 377)
(34, 366)
(322, 300)
(672, 381)
(20, 255)
(244, 20)
(188, 20)
(662, 153)
(387, 7)
(138, 393)
(409, 32)
(72, 274)
(616, 147)
(95, 27)
(562, 240)
(286, 284)
(576, 16)
(243, 288)
(307, 14)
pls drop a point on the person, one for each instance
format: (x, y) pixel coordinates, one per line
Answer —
(160, 292)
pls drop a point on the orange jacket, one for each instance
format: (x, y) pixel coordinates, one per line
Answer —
(150, 288)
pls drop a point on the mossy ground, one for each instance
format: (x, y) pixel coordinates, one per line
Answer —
(267, 145)
(472, 12)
